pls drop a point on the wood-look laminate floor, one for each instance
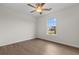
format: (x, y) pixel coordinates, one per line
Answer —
(38, 47)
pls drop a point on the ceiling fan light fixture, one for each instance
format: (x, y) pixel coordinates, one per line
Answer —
(39, 9)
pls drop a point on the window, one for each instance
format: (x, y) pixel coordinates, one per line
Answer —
(52, 26)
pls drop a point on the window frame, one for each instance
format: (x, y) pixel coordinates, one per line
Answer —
(53, 26)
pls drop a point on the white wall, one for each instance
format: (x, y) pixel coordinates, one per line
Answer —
(67, 26)
(15, 27)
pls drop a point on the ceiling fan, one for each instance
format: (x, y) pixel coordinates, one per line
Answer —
(39, 7)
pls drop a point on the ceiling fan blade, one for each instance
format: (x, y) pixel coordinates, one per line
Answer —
(47, 9)
(32, 11)
(30, 5)
(42, 4)
(37, 4)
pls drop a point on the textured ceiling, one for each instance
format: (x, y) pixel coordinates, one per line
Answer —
(24, 8)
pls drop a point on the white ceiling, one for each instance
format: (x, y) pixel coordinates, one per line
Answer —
(24, 8)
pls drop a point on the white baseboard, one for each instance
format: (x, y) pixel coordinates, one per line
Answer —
(64, 43)
(13, 42)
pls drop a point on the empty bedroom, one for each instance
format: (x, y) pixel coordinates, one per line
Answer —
(39, 29)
